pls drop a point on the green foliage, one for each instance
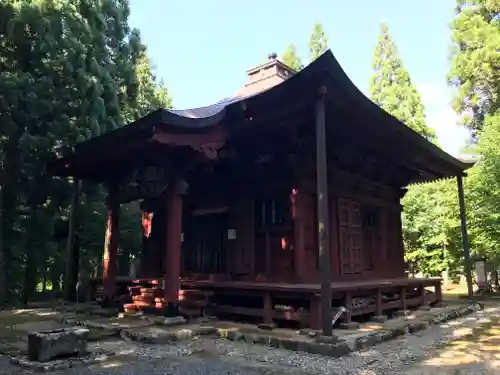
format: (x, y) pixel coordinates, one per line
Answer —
(317, 46)
(150, 95)
(430, 217)
(318, 42)
(475, 75)
(68, 71)
(475, 63)
(431, 227)
(483, 188)
(391, 87)
(291, 58)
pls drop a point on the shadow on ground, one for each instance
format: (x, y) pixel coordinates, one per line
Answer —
(475, 348)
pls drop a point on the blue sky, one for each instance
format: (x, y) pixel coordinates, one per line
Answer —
(202, 49)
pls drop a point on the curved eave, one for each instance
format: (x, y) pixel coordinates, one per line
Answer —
(299, 88)
(330, 64)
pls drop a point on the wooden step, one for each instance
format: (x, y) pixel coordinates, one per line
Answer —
(155, 292)
(129, 307)
(141, 298)
(142, 304)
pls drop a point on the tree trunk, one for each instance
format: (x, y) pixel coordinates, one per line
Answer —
(3, 268)
(495, 280)
(30, 267)
(6, 236)
(55, 277)
(44, 282)
(9, 169)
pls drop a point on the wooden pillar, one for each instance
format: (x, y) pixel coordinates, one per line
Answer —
(465, 237)
(299, 258)
(378, 302)
(322, 212)
(172, 258)
(110, 252)
(268, 308)
(402, 297)
(72, 251)
(438, 291)
(315, 312)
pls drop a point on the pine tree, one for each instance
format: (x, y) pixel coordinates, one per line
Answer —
(318, 42)
(391, 87)
(475, 64)
(150, 94)
(70, 71)
(291, 58)
(475, 75)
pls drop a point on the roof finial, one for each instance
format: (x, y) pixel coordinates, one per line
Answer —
(272, 56)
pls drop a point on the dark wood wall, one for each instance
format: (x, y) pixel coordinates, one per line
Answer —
(359, 249)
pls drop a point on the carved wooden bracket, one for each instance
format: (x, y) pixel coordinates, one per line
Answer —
(209, 150)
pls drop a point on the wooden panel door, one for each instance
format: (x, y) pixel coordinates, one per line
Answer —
(273, 237)
(350, 237)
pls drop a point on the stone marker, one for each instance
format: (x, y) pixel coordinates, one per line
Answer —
(45, 345)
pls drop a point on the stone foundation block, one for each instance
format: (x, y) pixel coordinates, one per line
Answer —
(379, 318)
(402, 313)
(46, 345)
(327, 339)
(267, 326)
(350, 325)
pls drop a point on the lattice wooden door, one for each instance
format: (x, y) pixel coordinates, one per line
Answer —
(350, 237)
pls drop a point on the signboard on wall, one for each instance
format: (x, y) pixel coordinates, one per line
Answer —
(231, 234)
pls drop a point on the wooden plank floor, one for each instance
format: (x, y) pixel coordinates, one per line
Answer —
(337, 286)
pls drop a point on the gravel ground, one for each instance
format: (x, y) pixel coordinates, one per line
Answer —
(445, 349)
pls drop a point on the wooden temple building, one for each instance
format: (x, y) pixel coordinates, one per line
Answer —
(280, 202)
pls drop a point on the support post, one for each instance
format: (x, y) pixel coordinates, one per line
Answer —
(72, 251)
(172, 264)
(465, 237)
(110, 252)
(322, 212)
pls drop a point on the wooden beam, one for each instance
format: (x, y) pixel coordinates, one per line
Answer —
(465, 236)
(72, 253)
(322, 212)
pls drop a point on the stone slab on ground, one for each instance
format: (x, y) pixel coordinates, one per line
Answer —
(111, 324)
(44, 325)
(46, 345)
(163, 335)
(163, 321)
(61, 364)
(363, 338)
